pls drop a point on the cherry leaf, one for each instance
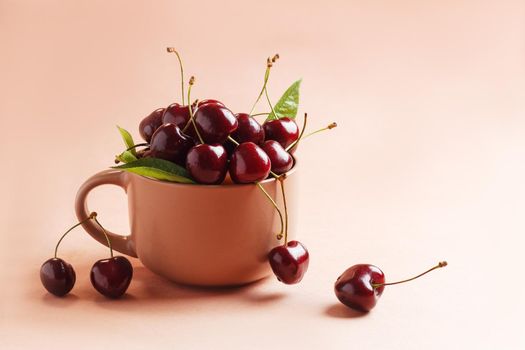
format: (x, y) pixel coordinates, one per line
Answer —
(288, 104)
(158, 169)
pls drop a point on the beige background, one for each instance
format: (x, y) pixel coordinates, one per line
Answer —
(428, 164)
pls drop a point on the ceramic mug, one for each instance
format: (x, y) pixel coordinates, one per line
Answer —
(196, 234)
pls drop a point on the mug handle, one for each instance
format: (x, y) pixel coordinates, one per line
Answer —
(121, 243)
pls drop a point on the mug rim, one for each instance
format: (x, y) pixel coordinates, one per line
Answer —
(232, 185)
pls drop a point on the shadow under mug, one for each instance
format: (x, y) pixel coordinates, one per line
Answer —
(196, 234)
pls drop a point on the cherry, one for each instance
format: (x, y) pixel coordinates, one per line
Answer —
(249, 163)
(149, 124)
(170, 143)
(248, 130)
(283, 130)
(57, 276)
(176, 114)
(289, 262)
(111, 277)
(361, 286)
(281, 160)
(207, 164)
(215, 122)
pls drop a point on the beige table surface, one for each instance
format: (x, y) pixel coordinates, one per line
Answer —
(428, 164)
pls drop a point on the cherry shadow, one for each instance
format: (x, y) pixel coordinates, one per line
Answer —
(59, 302)
(341, 311)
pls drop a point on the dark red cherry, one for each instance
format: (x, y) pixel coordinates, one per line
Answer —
(281, 160)
(289, 262)
(176, 114)
(215, 122)
(249, 163)
(207, 164)
(57, 276)
(111, 277)
(170, 143)
(248, 130)
(355, 289)
(149, 124)
(284, 130)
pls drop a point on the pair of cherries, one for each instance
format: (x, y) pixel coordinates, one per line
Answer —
(234, 142)
(110, 277)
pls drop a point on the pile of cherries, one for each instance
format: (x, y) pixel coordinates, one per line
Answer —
(209, 140)
(217, 141)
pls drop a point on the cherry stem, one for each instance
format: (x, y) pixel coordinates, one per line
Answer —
(172, 49)
(137, 145)
(105, 233)
(192, 119)
(91, 216)
(280, 235)
(293, 144)
(233, 140)
(439, 265)
(258, 114)
(330, 126)
(270, 103)
(281, 181)
(269, 64)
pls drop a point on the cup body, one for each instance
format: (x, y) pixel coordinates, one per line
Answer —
(202, 235)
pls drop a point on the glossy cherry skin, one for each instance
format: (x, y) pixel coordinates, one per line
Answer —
(249, 164)
(354, 287)
(111, 277)
(170, 143)
(57, 276)
(215, 122)
(176, 114)
(150, 124)
(207, 164)
(248, 130)
(284, 130)
(281, 160)
(289, 262)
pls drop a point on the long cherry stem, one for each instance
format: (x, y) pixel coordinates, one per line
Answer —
(439, 265)
(281, 181)
(137, 145)
(329, 127)
(292, 145)
(270, 103)
(269, 64)
(172, 49)
(280, 235)
(91, 216)
(192, 118)
(105, 233)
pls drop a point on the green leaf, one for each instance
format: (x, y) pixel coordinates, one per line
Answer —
(288, 103)
(126, 157)
(159, 169)
(128, 139)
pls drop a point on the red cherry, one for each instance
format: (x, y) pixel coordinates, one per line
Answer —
(215, 122)
(176, 114)
(249, 130)
(355, 289)
(281, 160)
(150, 124)
(57, 276)
(284, 130)
(289, 262)
(249, 163)
(207, 164)
(170, 143)
(361, 286)
(111, 277)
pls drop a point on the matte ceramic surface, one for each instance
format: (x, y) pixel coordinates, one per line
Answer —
(195, 234)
